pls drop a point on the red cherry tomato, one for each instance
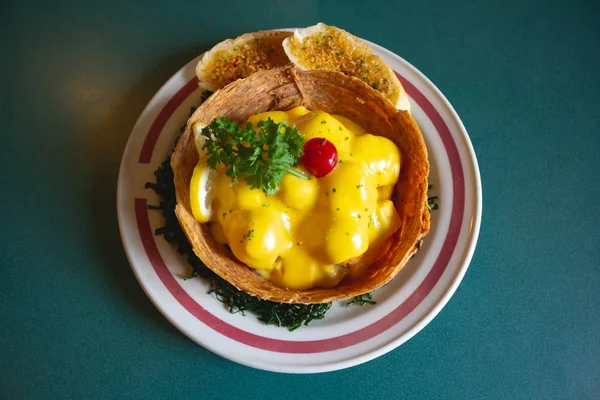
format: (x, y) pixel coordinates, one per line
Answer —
(320, 156)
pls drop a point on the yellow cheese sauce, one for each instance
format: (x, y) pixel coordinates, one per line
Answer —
(300, 237)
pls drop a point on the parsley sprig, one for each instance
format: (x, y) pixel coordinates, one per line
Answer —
(262, 157)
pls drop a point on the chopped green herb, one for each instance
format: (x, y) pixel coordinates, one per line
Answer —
(361, 300)
(432, 204)
(432, 201)
(189, 276)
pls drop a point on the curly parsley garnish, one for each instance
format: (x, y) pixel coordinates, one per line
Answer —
(262, 157)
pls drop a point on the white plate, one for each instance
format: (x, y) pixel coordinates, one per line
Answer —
(347, 336)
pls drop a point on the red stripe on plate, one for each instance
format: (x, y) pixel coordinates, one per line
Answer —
(358, 336)
(458, 185)
(162, 118)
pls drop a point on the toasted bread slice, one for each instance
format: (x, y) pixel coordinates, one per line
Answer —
(239, 58)
(330, 48)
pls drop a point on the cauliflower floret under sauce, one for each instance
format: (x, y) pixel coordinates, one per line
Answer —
(300, 237)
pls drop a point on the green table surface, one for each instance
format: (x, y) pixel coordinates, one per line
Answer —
(524, 77)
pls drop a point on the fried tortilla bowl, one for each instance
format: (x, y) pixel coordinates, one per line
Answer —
(284, 88)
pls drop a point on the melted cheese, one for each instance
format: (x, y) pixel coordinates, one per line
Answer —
(299, 237)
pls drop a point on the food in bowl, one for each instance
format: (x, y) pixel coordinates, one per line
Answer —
(333, 236)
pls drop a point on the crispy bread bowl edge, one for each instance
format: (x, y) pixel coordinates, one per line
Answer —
(284, 88)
